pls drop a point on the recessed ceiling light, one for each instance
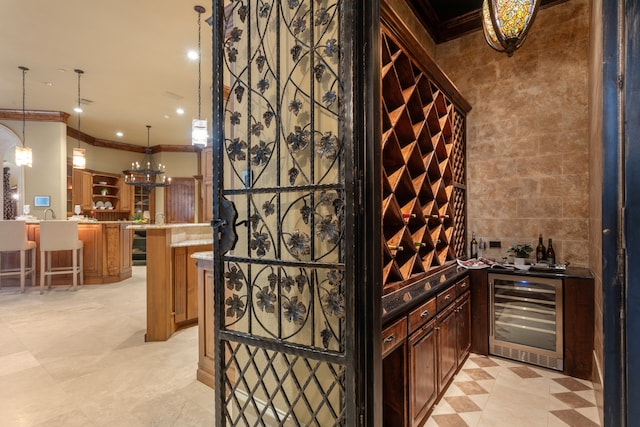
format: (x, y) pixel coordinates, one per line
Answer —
(119, 134)
(166, 116)
(180, 111)
(49, 84)
(77, 109)
(192, 55)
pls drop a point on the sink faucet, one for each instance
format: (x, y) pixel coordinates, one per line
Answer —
(53, 214)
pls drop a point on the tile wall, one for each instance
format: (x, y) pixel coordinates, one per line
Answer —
(528, 133)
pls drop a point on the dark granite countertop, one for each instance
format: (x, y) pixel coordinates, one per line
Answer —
(398, 303)
(572, 272)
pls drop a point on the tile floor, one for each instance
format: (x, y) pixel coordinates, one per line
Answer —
(79, 359)
(495, 392)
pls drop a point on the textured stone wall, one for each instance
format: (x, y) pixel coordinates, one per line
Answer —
(528, 133)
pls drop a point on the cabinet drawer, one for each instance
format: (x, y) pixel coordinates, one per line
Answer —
(394, 335)
(422, 314)
(463, 286)
(446, 297)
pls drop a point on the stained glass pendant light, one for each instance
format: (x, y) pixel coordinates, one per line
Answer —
(79, 154)
(199, 131)
(507, 22)
(24, 155)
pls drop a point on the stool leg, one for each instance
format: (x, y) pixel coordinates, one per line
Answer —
(33, 267)
(81, 266)
(42, 269)
(0, 267)
(50, 268)
(22, 267)
(74, 260)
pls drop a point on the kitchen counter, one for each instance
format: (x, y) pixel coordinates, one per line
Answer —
(400, 302)
(172, 301)
(106, 252)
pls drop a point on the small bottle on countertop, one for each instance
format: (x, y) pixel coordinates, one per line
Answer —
(474, 246)
(551, 254)
(541, 251)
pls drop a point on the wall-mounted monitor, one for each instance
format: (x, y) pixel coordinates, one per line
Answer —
(42, 201)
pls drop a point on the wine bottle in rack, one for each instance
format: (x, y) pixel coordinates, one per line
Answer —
(398, 248)
(473, 246)
(419, 244)
(541, 251)
(407, 216)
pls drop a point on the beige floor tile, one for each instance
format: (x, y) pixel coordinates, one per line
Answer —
(471, 418)
(16, 362)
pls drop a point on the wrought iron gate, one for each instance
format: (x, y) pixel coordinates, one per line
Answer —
(288, 334)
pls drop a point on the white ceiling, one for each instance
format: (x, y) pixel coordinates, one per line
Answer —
(134, 57)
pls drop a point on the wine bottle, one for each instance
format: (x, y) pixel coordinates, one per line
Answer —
(541, 251)
(474, 246)
(551, 254)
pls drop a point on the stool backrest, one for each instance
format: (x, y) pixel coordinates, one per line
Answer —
(13, 235)
(58, 235)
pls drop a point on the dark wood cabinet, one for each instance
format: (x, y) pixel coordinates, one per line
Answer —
(417, 369)
(463, 327)
(447, 336)
(423, 372)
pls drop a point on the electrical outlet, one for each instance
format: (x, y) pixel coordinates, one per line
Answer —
(494, 244)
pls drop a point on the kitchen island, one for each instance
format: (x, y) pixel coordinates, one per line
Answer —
(106, 253)
(172, 301)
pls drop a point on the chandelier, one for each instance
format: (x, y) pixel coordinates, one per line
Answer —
(24, 155)
(507, 22)
(199, 131)
(79, 155)
(146, 175)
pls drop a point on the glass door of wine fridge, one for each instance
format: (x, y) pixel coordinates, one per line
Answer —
(526, 319)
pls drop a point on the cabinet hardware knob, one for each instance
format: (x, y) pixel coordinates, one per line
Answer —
(437, 328)
(390, 338)
(447, 297)
(424, 314)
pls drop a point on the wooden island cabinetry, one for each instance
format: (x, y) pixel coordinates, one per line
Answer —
(172, 296)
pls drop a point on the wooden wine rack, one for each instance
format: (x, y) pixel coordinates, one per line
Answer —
(423, 171)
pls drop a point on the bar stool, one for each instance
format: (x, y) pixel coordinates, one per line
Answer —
(14, 239)
(60, 236)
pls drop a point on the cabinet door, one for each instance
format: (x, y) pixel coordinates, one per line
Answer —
(179, 201)
(447, 343)
(126, 195)
(463, 321)
(207, 200)
(423, 379)
(82, 189)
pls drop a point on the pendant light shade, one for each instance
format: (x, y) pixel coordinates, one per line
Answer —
(79, 154)
(24, 155)
(507, 22)
(199, 129)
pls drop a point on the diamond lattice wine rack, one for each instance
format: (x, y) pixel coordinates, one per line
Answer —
(423, 171)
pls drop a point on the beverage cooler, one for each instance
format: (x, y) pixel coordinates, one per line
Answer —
(526, 319)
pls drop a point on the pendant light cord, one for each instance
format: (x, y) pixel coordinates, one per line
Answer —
(24, 97)
(79, 72)
(199, 64)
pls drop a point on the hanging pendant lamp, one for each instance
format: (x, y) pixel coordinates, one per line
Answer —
(24, 155)
(507, 22)
(199, 129)
(79, 154)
